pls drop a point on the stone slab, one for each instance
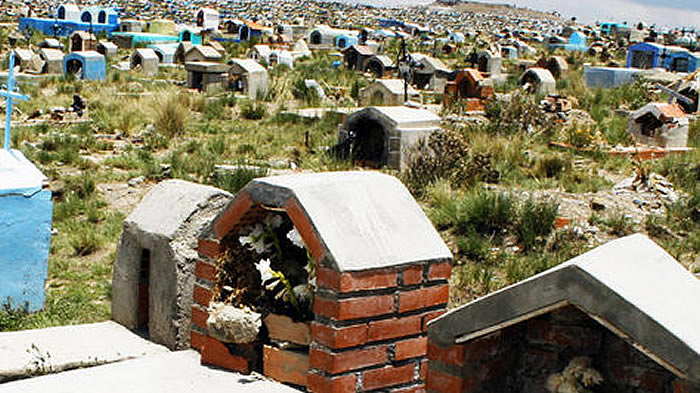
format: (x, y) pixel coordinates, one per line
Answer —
(172, 372)
(43, 351)
(183, 198)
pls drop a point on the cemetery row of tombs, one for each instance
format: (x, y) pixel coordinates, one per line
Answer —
(198, 48)
(338, 282)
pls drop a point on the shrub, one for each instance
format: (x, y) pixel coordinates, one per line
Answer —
(446, 155)
(170, 116)
(253, 111)
(536, 220)
(233, 181)
(486, 213)
(551, 166)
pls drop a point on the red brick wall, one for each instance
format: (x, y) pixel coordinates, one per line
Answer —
(369, 331)
(370, 327)
(240, 358)
(521, 358)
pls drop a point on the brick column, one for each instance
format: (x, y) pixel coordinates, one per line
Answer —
(241, 358)
(370, 327)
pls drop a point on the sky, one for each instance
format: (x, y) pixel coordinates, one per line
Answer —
(675, 13)
(670, 13)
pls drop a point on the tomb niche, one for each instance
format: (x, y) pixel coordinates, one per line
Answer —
(321, 281)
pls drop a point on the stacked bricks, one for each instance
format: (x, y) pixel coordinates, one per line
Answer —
(521, 358)
(240, 358)
(370, 328)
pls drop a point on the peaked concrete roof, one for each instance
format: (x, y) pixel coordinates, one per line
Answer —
(183, 199)
(630, 285)
(402, 116)
(363, 220)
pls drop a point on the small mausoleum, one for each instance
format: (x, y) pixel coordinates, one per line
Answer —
(619, 318)
(647, 55)
(53, 60)
(363, 257)
(82, 41)
(660, 124)
(384, 136)
(70, 18)
(207, 19)
(380, 66)
(259, 53)
(682, 61)
(539, 81)
(557, 65)
(203, 53)
(387, 92)
(608, 77)
(470, 86)
(356, 56)
(430, 74)
(107, 49)
(489, 62)
(25, 219)
(156, 255)
(207, 77)
(24, 59)
(165, 52)
(88, 65)
(248, 77)
(145, 61)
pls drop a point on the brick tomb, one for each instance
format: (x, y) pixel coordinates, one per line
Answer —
(620, 318)
(380, 271)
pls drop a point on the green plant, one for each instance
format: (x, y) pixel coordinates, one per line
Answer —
(253, 111)
(486, 213)
(170, 116)
(536, 220)
(233, 181)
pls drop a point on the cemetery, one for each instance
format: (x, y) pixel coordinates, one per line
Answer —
(322, 197)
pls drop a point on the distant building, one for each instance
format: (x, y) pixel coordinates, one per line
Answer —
(207, 19)
(387, 92)
(70, 18)
(647, 55)
(660, 124)
(88, 65)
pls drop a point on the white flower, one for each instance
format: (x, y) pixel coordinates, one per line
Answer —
(295, 238)
(264, 268)
(272, 221)
(255, 240)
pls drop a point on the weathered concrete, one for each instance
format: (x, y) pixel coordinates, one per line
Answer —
(630, 285)
(386, 135)
(163, 229)
(173, 372)
(43, 351)
(25, 232)
(367, 220)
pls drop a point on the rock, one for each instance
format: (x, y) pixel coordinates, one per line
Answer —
(136, 181)
(597, 206)
(233, 325)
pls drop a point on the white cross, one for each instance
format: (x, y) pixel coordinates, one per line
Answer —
(10, 92)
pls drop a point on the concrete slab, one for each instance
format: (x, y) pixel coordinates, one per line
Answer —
(43, 351)
(630, 285)
(172, 372)
(366, 220)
